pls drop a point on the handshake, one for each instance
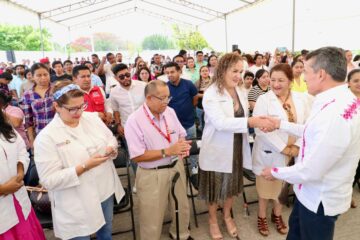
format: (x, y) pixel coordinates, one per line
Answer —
(264, 123)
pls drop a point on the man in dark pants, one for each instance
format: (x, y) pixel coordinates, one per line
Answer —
(329, 154)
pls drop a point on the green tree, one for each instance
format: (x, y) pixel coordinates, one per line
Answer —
(23, 38)
(157, 42)
(189, 39)
(108, 42)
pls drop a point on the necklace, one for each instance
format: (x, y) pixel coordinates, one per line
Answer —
(287, 108)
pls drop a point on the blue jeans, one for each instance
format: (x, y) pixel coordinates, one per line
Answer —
(105, 232)
(307, 225)
(200, 116)
(191, 133)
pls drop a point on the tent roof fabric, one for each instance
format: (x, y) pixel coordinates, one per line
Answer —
(77, 13)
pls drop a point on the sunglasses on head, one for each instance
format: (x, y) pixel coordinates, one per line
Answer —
(123, 76)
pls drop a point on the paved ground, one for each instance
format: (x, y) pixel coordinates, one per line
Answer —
(347, 226)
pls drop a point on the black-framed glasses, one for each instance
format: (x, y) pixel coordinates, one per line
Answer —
(123, 76)
(73, 110)
(163, 100)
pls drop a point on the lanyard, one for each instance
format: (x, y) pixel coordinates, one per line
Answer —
(167, 136)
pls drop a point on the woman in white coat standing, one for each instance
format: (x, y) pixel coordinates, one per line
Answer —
(17, 218)
(73, 156)
(275, 149)
(225, 143)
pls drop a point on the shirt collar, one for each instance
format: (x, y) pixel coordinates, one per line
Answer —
(330, 93)
(150, 113)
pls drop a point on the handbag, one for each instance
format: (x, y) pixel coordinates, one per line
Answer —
(39, 198)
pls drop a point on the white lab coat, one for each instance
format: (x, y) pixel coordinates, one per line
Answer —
(216, 153)
(268, 146)
(15, 152)
(75, 201)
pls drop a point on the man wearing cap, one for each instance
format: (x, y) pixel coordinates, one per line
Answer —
(46, 62)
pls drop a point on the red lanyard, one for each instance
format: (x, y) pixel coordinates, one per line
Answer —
(167, 136)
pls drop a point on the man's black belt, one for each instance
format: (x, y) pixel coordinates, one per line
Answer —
(171, 165)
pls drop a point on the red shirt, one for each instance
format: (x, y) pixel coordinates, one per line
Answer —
(95, 100)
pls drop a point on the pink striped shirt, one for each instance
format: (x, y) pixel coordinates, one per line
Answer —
(141, 135)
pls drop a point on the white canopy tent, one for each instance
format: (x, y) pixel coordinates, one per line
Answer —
(251, 24)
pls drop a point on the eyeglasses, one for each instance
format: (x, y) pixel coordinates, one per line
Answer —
(141, 65)
(163, 100)
(74, 110)
(123, 76)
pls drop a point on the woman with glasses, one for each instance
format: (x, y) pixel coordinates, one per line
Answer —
(139, 65)
(275, 149)
(73, 156)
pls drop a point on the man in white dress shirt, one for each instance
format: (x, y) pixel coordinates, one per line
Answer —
(325, 169)
(127, 97)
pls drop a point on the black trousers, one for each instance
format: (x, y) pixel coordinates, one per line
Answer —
(307, 225)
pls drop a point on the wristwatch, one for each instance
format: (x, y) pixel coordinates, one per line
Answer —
(163, 153)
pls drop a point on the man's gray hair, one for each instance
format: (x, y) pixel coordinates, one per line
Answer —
(152, 86)
(332, 60)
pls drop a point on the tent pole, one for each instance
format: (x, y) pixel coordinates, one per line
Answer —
(226, 32)
(41, 36)
(293, 28)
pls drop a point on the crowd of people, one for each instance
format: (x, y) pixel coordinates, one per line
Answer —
(271, 118)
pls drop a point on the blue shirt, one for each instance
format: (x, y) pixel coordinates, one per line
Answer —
(182, 101)
(96, 80)
(15, 84)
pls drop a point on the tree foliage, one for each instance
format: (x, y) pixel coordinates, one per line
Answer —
(157, 42)
(189, 39)
(23, 38)
(81, 44)
(108, 42)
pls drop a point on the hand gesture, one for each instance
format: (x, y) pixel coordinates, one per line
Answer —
(120, 130)
(294, 151)
(95, 161)
(103, 60)
(264, 123)
(181, 148)
(12, 186)
(266, 173)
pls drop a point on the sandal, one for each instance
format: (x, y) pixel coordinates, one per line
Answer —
(280, 225)
(263, 226)
(353, 204)
(215, 232)
(231, 227)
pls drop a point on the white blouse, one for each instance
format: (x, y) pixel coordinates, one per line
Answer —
(10, 155)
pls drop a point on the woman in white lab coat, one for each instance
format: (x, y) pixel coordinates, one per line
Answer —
(17, 218)
(275, 149)
(73, 156)
(225, 147)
